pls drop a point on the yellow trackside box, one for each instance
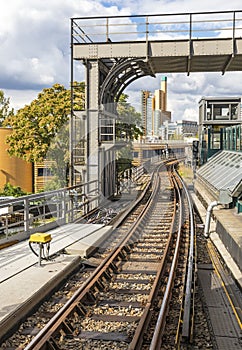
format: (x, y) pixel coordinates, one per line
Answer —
(40, 238)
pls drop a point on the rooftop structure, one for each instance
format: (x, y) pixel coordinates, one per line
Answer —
(216, 113)
(219, 110)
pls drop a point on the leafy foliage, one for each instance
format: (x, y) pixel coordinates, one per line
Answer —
(35, 125)
(41, 129)
(128, 128)
(10, 190)
(128, 125)
(5, 111)
(58, 153)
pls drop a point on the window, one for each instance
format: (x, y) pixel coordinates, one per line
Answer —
(215, 140)
(234, 112)
(44, 172)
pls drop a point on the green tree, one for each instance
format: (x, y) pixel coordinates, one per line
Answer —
(41, 129)
(128, 128)
(35, 125)
(58, 153)
(5, 110)
(128, 125)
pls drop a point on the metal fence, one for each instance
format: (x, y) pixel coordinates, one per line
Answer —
(22, 216)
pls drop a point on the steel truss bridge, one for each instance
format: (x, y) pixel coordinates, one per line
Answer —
(117, 50)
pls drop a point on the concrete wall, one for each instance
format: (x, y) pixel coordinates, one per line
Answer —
(12, 169)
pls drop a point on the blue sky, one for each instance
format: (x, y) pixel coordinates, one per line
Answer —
(35, 50)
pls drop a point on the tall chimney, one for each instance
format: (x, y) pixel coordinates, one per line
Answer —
(164, 93)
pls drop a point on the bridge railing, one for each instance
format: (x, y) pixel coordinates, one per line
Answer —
(177, 26)
(22, 216)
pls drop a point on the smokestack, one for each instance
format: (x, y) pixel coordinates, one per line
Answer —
(164, 93)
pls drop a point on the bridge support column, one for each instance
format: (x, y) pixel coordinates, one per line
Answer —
(100, 154)
(92, 110)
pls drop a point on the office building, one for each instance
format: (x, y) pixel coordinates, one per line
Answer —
(154, 109)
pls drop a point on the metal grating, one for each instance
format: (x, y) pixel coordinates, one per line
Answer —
(228, 343)
(226, 332)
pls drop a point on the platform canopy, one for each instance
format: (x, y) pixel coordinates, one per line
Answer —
(223, 172)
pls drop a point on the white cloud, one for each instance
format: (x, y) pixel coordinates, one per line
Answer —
(175, 6)
(35, 50)
(20, 98)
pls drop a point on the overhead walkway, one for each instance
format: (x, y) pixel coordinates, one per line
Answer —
(117, 50)
(150, 44)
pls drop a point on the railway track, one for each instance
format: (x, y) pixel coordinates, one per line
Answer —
(129, 306)
(125, 301)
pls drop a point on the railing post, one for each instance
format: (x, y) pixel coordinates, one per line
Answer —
(107, 30)
(190, 45)
(66, 206)
(26, 215)
(233, 34)
(6, 225)
(147, 36)
(190, 31)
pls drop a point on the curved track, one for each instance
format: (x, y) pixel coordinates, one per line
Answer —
(130, 292)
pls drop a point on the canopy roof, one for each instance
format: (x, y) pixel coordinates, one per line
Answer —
(223, 171)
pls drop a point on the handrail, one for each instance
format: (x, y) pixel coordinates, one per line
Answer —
(194, 25)
(21, 216)
(161, 14)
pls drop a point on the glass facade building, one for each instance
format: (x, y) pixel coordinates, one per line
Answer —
(219, 125)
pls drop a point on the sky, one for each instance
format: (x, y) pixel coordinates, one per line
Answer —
(35, 50)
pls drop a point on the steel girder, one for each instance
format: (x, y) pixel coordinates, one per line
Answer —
(121, 74)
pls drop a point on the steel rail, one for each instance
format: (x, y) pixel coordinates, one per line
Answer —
(119, 219)
(187, 323)
(123, 214)
(59, 321)
(145, 319)
(160, 324)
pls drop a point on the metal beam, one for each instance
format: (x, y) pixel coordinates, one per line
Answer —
(170, 56)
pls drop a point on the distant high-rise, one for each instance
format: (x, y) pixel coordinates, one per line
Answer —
(164, 93)
(154, 109)
(144, 109)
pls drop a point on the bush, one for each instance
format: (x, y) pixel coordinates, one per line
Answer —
(10, 190)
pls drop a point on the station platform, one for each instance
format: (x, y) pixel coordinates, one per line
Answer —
(23, 281)
(219, 182)
(225, 229)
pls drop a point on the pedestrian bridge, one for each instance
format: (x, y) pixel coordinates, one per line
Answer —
(190, 42)
(118, 50)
